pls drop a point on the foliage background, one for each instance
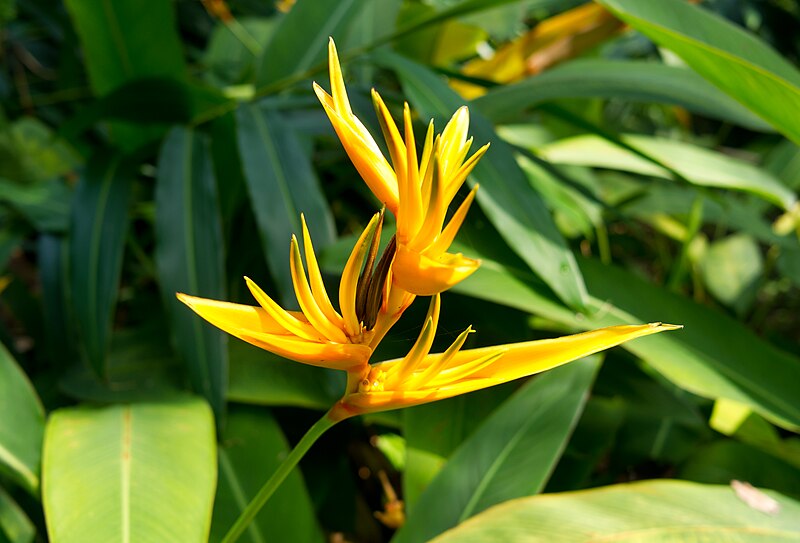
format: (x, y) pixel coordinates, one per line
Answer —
(644, 167)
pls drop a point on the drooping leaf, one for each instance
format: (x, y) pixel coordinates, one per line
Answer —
(282, 185)
(511, 455)
(644, 511)
(97, 242)
(635, 81)
(734, 60)
(147, 472)
(696, 164)
(21, 425)
(714, 355)
(190, 257)
(250, 451)
(505, 195)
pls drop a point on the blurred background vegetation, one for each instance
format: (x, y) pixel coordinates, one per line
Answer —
(644, 167)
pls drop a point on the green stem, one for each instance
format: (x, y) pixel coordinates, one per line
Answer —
(286, 467)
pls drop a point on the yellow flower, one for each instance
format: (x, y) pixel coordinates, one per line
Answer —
(418, 192)
(318, 334)
(421, 377)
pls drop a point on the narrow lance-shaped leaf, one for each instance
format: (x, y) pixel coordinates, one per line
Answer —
(21, 425)
(734, 60)
(146, 472)
(646, 82)
(15, 526)
(301, 39)
(97, 243)
(282, 185)
(505, 195)
(511, 455)
(250, 452)
(190, 256)
(643, 511)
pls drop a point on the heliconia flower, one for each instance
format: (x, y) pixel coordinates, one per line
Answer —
(319, 335)
(417, 191)
(420, 377)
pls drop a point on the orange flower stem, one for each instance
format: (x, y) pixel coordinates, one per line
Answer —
(286, 467)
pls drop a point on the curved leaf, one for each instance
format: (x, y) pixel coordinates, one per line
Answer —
(512, 454)
(647, 82)
(97, 243)
(250, 452)
(190, 256)
(505, 195)
(696, 164)
(644, 511)
(146, 472)
(15, 526)
(282, 185)
(734, 60)
(21, 425)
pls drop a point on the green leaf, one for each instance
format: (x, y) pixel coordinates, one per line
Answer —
(300, 40)
(252, 449)
(511, 455)
(505, 195)
(262, 378)
(97, 242)
(146, 472)
(702, 167)
(644, 511)
(731, 268)
(21, 425)
(714, 356)
(282, 185)
(122, 42)
(52, 257)
(734, 60)
(15, 526)
(190, 257)
(434, 431)
(45, 205)
(646, 82)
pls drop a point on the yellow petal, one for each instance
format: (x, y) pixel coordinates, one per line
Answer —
(291, 323)
(397, 149)
(445, 239)
(338, 89)
(327, 355)
(315, 278)
(424, 276)
(316, 317)
(349, 282)
(229, 316)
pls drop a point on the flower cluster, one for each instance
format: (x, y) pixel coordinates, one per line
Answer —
(374, 292)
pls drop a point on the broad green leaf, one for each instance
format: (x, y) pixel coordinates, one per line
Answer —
(282, 185)
(190, 257)
(734, 60)
(434, 431)
(15, 526)
(505, 195)
(700, 166)
(21, 425)
(510, 455)
(714, 356)
(300, 40)
(251, 450)
(731, 268)
(123, 42)
(146, 472)
(653, 511)
(97, 242)
(647, 82)
(262, 378)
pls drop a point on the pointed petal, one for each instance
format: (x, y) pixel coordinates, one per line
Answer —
(281, 316)
(229, 316)
(349, 282)
(338, 89)
(397, 149)
(436, 363)
(421, 348)
(327, 355)
(315, 278)
(411, 199)
(308, 304)
(424, 276)
(457, 179)
(447, 236)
